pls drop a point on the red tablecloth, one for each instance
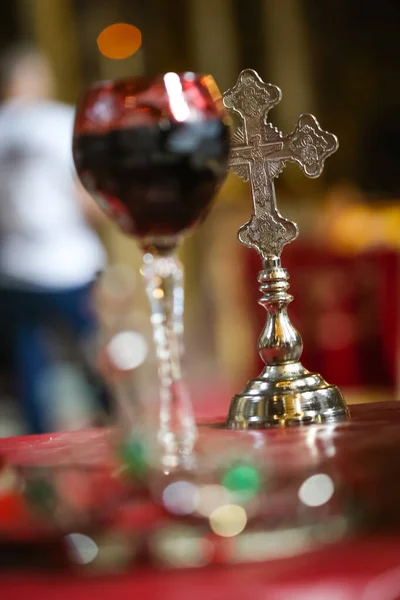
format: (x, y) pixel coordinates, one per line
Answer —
(345, 572)
(363, 569)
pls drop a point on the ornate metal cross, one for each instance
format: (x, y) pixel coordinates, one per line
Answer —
(259, 153)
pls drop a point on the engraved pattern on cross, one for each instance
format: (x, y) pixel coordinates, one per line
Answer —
(259, 153)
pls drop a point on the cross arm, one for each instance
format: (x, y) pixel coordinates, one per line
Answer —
(309, 146)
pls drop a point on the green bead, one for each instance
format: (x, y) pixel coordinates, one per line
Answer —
(134, 457)
(243, 480)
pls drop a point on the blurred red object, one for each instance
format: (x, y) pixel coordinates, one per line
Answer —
(346, 309)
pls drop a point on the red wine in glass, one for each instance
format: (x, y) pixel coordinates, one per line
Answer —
(153, 153)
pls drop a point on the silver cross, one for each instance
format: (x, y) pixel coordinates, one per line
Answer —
(259, 153)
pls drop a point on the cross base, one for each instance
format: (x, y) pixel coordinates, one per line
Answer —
(285, 395)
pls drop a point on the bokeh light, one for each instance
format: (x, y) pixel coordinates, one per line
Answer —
(119, 40)
(181, 497)
(242, 479)
(316, 490)
(83, 550)
(127, 350)
(134, 457)
(182, 547)
(228, 520)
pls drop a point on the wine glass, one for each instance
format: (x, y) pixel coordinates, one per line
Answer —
(153, 152)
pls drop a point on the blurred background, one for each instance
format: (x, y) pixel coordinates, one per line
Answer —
(339, 60)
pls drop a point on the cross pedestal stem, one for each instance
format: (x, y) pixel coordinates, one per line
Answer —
(285, 393)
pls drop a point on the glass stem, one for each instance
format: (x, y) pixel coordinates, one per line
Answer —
(164, 287)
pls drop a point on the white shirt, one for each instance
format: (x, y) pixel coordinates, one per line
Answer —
(44, 238)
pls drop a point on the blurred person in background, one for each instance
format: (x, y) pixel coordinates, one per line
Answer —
(49, 253)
